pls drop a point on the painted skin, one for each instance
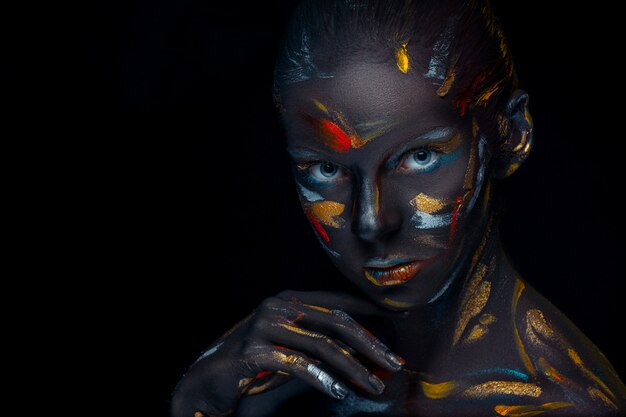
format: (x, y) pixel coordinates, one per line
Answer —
(459, 299)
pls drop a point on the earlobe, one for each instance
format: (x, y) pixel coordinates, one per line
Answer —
(518, 136)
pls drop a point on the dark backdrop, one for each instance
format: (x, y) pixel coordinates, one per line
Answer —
(193, 213)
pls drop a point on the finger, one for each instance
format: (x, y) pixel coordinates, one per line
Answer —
(300, 366)
(343, 327)
(328, 352)
(342, 301)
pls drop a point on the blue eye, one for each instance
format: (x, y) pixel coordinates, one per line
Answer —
(325, 172)
(420, 160)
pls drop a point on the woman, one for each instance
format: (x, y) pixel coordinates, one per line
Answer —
(400, 116)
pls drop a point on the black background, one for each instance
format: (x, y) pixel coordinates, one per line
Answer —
(188, 216)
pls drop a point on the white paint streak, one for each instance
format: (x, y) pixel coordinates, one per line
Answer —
(353, 404)
(322, 376)
(310, 196)
(437, 67)
(209, 352)
(423, 220)
(480, 175)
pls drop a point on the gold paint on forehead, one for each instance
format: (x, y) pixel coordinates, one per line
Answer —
(447, 84)
(328, 212)
(438, 391)
(503, 387)
(402, 59)
(427, 204)
(529, 410)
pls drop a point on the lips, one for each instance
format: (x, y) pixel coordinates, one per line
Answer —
(389, 273)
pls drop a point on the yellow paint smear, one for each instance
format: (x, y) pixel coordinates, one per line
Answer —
(487, 319)
(477, 333)
(376, 200)
(484, 97)
(503, 387)
(427, 204)
(599, 395)
(473, 308)
(318, 308)
(328, 212)
(402, 59)
(301, 331)
(573, 355)
(371, 279)
(438, 391)
(321, 106)
(529, 410)
(397, 304)
(447, 84)
(512, 168)
(517, 293)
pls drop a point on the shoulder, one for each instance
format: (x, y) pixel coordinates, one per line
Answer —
(557, 354)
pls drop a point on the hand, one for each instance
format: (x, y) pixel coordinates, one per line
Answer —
(306, 335)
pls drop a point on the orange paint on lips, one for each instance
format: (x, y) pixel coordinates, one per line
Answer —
(395, 275)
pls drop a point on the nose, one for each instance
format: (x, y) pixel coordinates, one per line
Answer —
(370, 222)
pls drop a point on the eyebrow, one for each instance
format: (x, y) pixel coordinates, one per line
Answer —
(302, 153)
(439, 134)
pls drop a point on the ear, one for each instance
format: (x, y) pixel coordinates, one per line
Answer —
(516, 126)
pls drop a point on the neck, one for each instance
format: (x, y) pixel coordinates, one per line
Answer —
(425, 331)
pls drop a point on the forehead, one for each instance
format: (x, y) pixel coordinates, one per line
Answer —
(365, 93)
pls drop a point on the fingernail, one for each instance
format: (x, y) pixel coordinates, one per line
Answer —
(376, 383)
(394, 359)
(339, 390)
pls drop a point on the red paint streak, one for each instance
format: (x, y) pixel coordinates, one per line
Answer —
(262, 374)
(455, 214)
(318, 228)
(465, 96)
(334, 136)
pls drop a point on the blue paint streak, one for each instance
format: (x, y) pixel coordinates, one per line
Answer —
(506, 371)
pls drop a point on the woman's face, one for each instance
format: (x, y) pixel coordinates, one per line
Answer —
(388, 174)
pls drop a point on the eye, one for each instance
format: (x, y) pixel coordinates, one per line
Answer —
(325, 172)
(420, 160)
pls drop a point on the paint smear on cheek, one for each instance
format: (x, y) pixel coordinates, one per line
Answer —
(328, 212)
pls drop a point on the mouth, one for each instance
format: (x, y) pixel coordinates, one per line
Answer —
(394, 272)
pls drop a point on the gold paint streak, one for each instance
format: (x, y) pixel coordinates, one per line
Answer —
(527, 148)
(447, 84)
(573, 355)
(321, 106)
(517, 293)
(244, 382)
(327, 212)
(503, 125)
(522, 142)
(503, 387)
(473, 307)
(599, 395)
(301, 331)
(468, 180)
(198, 414)
(431, 241)
(402, 59)
(475, 128)
(487, 319)
(261, 388)
(438, 391)
(483, 98)
(529, 410)
(427, 204)
(318, 308)
(512, 168)
(371, 279)
(397, 304)
(537, 321)
(450, 145)
(477, 333)
(549, 371)
(477, 277)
